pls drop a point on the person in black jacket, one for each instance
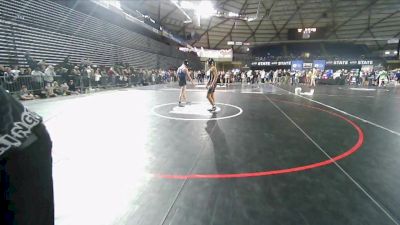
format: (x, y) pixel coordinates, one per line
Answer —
(26, 183)
(32, 63)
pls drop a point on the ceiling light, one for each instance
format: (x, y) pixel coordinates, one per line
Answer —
(232, 14)
(205, 9)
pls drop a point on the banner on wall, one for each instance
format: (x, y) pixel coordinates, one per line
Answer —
(223, 55)
(217, 55)
(268, 63)
(319, 64)
(350, 62)
(307, 65)
(367, 68)
(297, 65)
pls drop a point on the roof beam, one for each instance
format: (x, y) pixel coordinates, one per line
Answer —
(254, 32)
(276, 29)
(208, 35)
(209, 29)
(233, 25)
(333, 4)
(169, 13)
(159, 11)
(373, 36)
(183, 28)
(301, 18)
(394, 36)
(333, 8)
(222, 4)
(247, 24)
(370, 4)
(208, 40)
(376, 23)
(269, 13)
(369, 29)
(228, 34)
(261, 20)
(287, 21)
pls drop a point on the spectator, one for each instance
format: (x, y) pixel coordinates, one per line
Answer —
(243, 77)
(76, 71)
(49, 75)
(42, 65)
(104, 76)
(293, 78)
(87, 74)
(383, 78)
(313, 77)
(227, 77)
(24, 94)
(37, 80)
(10, 78)
(276, 77)
(28, 72)
(64, 88)
(67, 63)
(15, 72)
(2, 71)
(111, 76)
(71, 87)
(125, 77)
(57, 89)
(286, 76)
(49, 90)
(308, 77)
(22, 71)
(398, 76)
(85, 62)
(262, 76)
(31, 62)
(97, 77)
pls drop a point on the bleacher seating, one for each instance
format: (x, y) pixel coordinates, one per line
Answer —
(273, 50)
(299, 49)
(316, 50)
(51, 31)
(345, 49)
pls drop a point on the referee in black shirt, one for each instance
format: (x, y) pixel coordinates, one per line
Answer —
(26, 186)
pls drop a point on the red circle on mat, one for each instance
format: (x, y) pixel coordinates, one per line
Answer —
(350, 151)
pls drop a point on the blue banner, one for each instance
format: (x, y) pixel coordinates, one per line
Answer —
(297, 65)
(319, 64)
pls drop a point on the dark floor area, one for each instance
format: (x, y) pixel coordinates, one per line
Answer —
(131, 156)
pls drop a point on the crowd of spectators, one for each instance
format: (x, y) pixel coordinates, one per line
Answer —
(42, 80)
(312, 77)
